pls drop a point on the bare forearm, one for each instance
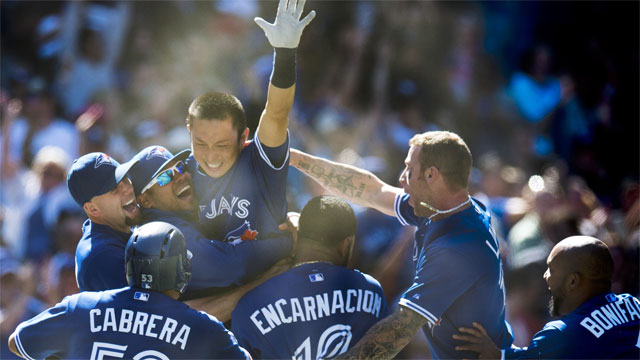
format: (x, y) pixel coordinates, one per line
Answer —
(345, 181)
(274, 121)
(385, 339)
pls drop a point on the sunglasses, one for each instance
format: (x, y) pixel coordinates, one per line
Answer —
(166, 176)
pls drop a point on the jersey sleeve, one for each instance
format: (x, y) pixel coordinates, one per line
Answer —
(103, 270)
(439, 282)
(46, 335)
(223, 344)
(404, 211)
(276, 158)
(249, 337)
(548, 343)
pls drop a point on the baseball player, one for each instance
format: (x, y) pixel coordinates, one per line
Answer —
(241, 185)
(595, 323)
(142, 321)
(100, 185)
(319, 308)
(458, 276)
(164, 190)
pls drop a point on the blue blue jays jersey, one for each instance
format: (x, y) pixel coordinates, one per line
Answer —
(125, 323)
(217, 263)
(247, 202)
(100, 258)
(458, 278)
(606, 326)
(312, 311)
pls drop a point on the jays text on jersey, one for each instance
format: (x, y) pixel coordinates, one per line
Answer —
(249, 201)
(217, 263)
(458, 279)
(100, 258)
(604, 327)
(312, 311)
(125, 323)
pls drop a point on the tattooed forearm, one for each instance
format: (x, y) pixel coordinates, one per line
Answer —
(336, 178)
(387, 337)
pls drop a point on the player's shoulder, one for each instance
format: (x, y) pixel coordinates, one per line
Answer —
(360, 276)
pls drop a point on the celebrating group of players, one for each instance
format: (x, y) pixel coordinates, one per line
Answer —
(211, 230)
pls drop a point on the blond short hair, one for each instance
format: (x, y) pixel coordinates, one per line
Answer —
(447, 152)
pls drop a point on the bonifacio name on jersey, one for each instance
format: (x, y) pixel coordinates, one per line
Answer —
(311, 308)
(141, 323)
(612, 314)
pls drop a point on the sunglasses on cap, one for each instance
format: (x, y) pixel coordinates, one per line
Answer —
(166, 176)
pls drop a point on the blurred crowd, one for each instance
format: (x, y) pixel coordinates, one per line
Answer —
(545, 95)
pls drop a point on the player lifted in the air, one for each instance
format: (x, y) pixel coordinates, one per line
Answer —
(241, 185)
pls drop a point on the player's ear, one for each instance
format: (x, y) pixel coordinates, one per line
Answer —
(145, 200)
(430, 173)
(574, 280)
(91, 209)
(347, 249)
(244, 136)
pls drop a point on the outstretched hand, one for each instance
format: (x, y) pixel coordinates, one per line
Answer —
(477, 340)
(286, 30)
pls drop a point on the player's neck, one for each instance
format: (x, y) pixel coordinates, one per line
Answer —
(309, 252)
(174, 294)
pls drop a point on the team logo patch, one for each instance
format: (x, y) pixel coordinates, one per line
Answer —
(142, 296)
(416, 296)
(157, 151)
(103, 159)
(611, 298)
(241, 233)
(316, 277)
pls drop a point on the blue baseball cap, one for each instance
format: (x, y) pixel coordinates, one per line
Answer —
(95, 174)
(151, 161)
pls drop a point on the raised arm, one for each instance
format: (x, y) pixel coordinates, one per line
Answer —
(387, 337)
(284, 35)
(348, 182)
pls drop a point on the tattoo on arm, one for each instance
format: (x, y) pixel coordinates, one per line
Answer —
(387, 337)
(340, 181)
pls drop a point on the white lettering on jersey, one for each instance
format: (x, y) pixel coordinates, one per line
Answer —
(611, 315)
(243, 209)
(137, 322)
(236, 207)
(310, 308)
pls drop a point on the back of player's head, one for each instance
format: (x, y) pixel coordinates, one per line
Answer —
(217, 106)
(448, 153)
(157, 258)
(327, 220)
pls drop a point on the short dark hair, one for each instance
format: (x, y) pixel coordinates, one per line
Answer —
(327, 220)
(217, 106)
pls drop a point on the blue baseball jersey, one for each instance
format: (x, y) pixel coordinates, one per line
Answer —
(125, 323)
(249, 201)
(312, 311)
(458, 278)
(217, 263)
(100, 258)
(607, 326)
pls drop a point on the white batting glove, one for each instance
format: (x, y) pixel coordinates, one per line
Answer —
(286, 30)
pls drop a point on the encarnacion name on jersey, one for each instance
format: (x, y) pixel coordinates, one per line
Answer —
(309, 308)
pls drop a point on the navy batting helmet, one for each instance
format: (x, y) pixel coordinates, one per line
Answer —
(157, 258)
